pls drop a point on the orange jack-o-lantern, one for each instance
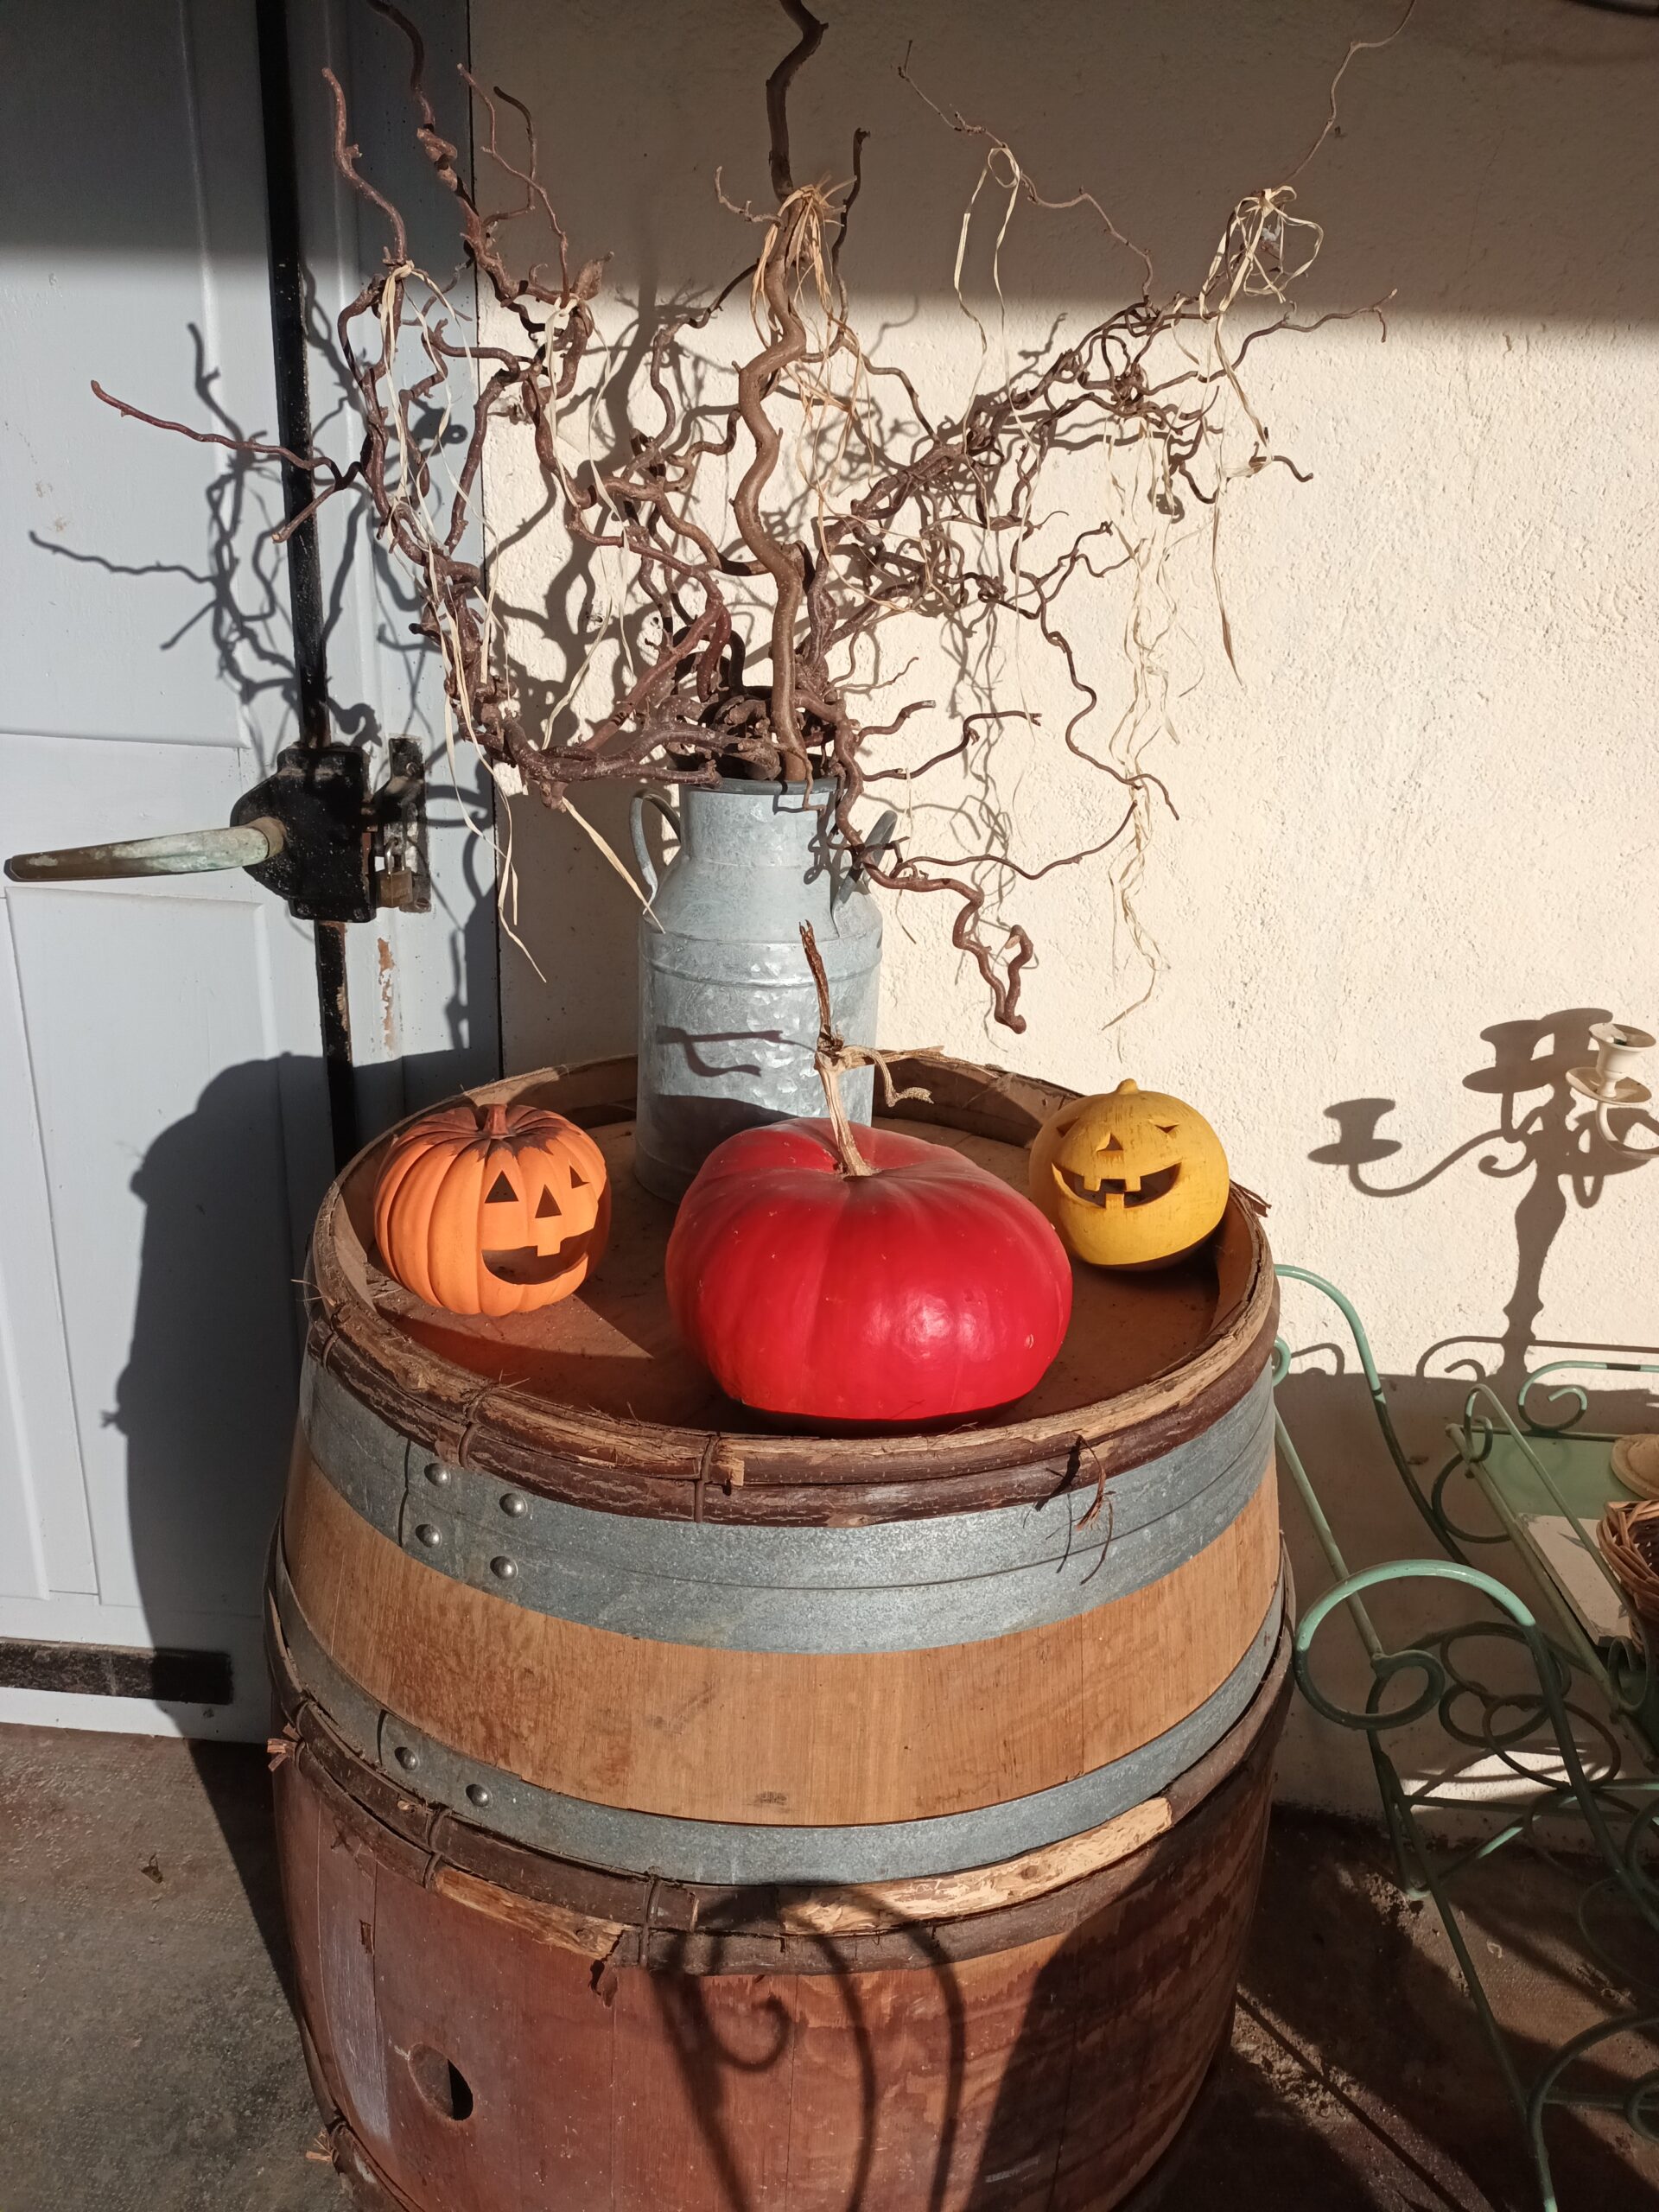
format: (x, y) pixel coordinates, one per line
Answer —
(497, 1210)
(1131, 1178)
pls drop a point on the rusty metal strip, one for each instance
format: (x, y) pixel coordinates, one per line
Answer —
(741, 1853)
(916, 1585)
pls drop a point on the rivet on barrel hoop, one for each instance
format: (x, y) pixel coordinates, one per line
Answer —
(503, 1566)
(477, 1794)
(436, 1474)
(515, 1504)
(407, 1756)
(429, 1535)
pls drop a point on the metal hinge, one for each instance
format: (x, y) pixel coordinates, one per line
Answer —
(313, 832)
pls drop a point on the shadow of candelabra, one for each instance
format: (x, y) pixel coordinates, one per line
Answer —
(1544, 1140)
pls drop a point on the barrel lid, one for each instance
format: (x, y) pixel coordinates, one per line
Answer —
(595, 1399)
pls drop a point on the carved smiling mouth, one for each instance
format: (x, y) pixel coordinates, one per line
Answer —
(1119, 1190)
(523, 1264)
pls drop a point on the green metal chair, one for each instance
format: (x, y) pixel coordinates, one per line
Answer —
(1614, 1793)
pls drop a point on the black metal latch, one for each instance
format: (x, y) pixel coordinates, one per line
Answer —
(313, 832)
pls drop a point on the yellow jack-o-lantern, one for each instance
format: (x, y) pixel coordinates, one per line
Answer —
(1130, 1178)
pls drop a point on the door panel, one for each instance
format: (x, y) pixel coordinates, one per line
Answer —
(134, 226)
(171, 1229)
(122, 1005)
(166, 1063)
(164, 1132)
(46, 1530)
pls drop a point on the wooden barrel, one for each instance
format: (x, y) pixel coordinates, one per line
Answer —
(720, 1816)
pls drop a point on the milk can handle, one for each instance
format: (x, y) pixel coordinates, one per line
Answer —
(637, 827)
(885, 823)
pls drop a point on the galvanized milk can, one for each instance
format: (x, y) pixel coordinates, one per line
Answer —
(729, 1018)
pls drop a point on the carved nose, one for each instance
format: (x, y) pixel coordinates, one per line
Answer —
(1114, 1169)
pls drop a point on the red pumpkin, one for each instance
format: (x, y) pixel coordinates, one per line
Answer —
(497, 1210)
(922, 1288)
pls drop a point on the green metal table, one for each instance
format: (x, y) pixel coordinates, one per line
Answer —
(1567, 1672)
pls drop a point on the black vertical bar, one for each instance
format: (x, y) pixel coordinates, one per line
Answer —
(334, 1012)
(293, 389)
(304, 554)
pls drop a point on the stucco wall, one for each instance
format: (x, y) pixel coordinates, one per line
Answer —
(1414, 856)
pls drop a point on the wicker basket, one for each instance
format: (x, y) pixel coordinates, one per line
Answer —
(1629, 1541)
(1635, 1463)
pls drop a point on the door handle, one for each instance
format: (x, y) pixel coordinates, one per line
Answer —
(184, 852)
(313, 832)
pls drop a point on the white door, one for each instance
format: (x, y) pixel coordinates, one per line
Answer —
(164, 1116)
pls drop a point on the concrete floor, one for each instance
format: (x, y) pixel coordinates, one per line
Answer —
(151, 2064)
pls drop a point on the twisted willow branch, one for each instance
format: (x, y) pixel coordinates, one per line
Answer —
(846, 517)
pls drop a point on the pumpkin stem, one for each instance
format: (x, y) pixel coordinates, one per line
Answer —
(494, 1123)
(831, 1059)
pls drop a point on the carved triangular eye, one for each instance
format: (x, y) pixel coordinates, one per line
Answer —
(1168, 1129)
(1111, 1145)
(578, 1182)
(547, 1206)
(501, 1193)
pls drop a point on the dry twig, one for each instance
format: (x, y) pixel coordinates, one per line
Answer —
(940, 518)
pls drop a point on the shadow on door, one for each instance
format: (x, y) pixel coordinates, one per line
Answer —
(207, 1399)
